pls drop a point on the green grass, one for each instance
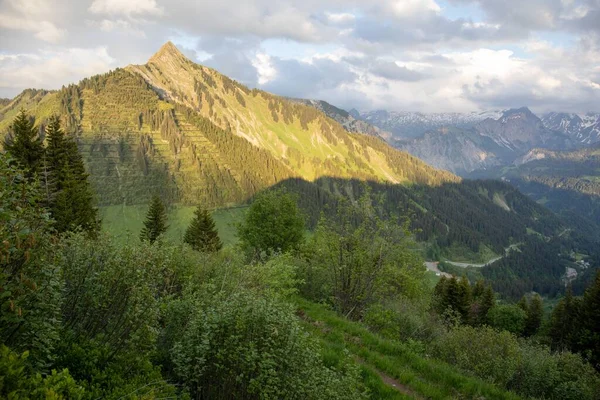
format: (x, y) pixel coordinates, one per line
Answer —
(422, 377)
(125, 222)
(460, 253)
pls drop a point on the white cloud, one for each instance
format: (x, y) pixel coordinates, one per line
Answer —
(126, 7)
(52, 69)
(43, 30)
(264, 67)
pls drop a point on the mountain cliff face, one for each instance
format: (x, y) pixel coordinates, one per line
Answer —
(185, 131)
(584, 128)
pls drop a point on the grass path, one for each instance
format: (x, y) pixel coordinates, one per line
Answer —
(389, 368)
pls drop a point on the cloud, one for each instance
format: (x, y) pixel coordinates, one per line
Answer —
(391, 70)
(126, 7)
(422, 55)
(51, 69)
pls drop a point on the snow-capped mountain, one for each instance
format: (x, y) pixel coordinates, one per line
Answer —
(582, 128)
(406, 125)
(485, 143)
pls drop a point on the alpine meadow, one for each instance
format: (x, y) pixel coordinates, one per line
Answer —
(299, 200)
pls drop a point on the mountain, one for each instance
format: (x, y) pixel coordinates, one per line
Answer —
(584, 128)
(487, 143)
(409, 125)
(567, 182)
(185, 131)
(350, 121)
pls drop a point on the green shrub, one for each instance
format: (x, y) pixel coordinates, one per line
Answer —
(18, 382)
(250, 347)
(487, 353)
(543, 374)
(509, 318)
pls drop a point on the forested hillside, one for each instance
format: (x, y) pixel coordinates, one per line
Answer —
(568, 183)
(191, 134)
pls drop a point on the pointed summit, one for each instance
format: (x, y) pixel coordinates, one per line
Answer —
(168, 52)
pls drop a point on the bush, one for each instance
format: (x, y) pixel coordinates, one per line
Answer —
(490, 355)
(543, 374)
(17, 382)
(251, 347)
(509, 318)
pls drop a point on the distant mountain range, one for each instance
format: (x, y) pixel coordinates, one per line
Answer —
(464, 143)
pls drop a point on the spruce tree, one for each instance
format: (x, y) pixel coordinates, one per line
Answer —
(534, 315)
(589, 334)
(24, 144)
(202, 234)
(488, 301)
(69, 194)
(156, 221)
(564, 322)
(464, 299)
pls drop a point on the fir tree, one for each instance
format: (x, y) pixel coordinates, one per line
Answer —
(488, 301)
(156, 221)
(589, 334)
(564, 321)
(464, 299)
(69, 194)
(202, 234)
(534, 315)
(24, 144)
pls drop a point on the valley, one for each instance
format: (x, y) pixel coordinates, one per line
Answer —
(169, 232)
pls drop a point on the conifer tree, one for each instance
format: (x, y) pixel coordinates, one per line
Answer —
(69, 194)
(589, 334)
(24, 144)
(464, 299)
(488, 301)
(202, 234)
(156, 221)
(534, 315)
(564, 322)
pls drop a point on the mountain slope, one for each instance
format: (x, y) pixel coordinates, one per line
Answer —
(193, 135)
(566, 182)
(350, 122)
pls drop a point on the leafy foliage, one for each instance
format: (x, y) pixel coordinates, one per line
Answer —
(273, 224)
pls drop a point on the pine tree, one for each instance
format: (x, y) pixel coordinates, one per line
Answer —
(69, 194)
(156, 221)
(202, 234)
(464, 299)
(535, 313)
(488, 301)
(589, 334)
(24, 144)
(564, 322)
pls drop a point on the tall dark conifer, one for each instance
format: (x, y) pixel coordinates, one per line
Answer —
(202, 234)
(156, 221)
(69, 194)
(23, 144)
(589, 334)
(535, 314)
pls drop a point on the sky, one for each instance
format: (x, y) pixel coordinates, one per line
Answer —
(398, 55)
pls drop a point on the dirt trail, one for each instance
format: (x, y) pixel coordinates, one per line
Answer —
(391, 382)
